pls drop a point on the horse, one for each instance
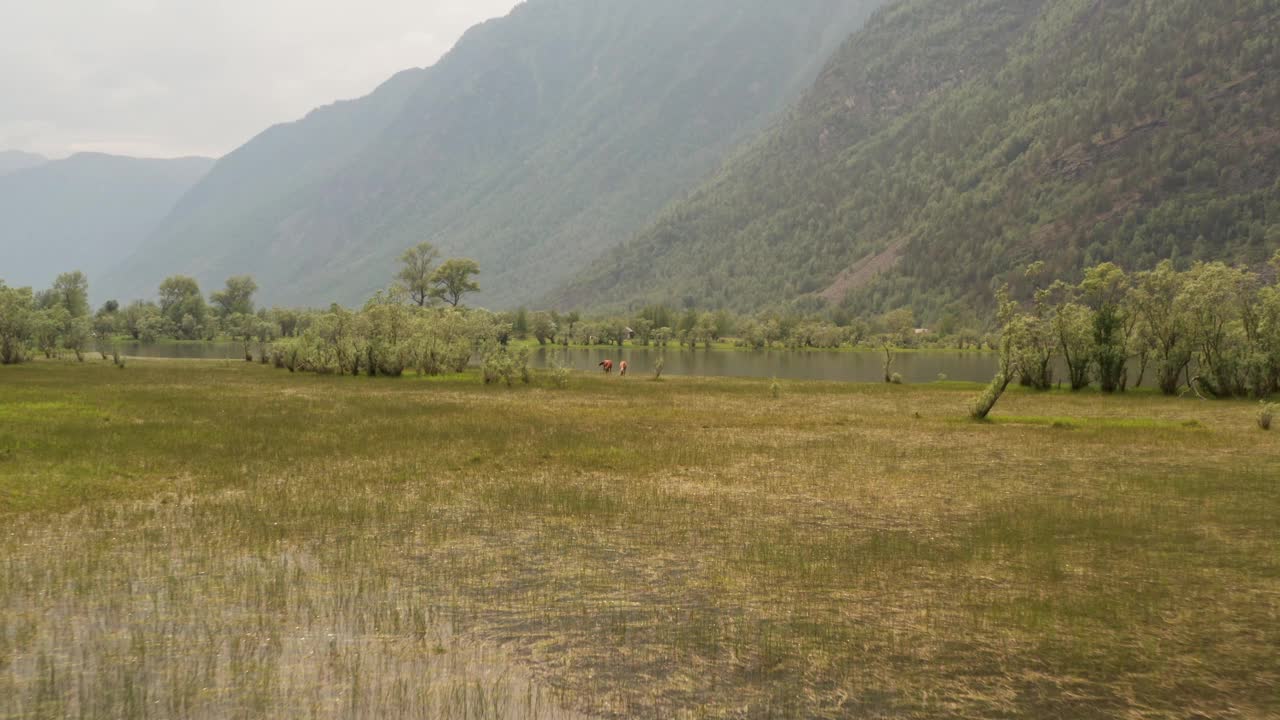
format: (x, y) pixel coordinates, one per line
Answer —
(622, 369)
(607, 365)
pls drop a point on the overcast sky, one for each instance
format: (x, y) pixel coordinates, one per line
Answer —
(163, 78)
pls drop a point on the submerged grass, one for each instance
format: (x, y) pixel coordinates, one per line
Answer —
(221, 540)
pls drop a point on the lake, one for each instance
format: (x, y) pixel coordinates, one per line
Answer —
(857, 366)
(860, 366)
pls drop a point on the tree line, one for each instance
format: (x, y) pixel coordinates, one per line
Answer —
(59, 320)
(1212, 330)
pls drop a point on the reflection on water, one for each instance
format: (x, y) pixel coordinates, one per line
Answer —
(864, 366)
(185, 350)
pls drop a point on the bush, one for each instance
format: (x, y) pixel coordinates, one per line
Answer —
(560, 372)
(520, 364)
(1266, 414)
(896, 378)
(775, 390)
(498, 366)
(657, 368)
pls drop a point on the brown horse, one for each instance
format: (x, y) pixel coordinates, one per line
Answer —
(607, 365)
(622, 369)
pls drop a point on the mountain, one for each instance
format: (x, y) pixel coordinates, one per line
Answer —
(84, 212)
(540, 141)
(951, 142)
(11, 160)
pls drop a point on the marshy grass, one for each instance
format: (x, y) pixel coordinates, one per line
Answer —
(188, 539)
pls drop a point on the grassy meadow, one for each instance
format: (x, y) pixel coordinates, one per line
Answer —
(220, 539)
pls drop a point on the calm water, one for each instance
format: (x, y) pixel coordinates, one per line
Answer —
(808, 365)
(790, 365)
(185, 351)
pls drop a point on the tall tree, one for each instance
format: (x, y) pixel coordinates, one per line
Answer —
(180, 298)
(452, 280)
(237, 297)
(71, 291)
(1105, 288)
(416, 271)
(1156, 298)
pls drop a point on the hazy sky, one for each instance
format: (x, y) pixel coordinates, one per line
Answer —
(162, 78)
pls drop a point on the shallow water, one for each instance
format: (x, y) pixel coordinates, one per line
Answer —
(862, 366)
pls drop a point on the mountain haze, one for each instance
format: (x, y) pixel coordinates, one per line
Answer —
(543, 139)
(11, 160)
(951, 142)
(84, 213)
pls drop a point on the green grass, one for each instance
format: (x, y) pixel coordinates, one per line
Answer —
(218, 539)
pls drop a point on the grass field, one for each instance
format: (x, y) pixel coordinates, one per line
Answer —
(215, 539)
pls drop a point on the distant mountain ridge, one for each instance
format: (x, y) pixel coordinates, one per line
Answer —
(951, 142)
(11, 160)
(542, 140)
(85, 213)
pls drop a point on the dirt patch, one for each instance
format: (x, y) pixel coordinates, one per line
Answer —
(1081, 158)
(864, 271)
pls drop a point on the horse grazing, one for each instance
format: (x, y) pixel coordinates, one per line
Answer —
(622, 369)
(607, 365)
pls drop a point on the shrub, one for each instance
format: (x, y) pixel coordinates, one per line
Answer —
(520, 364)
(560, 377)
(1266, 413)
(775, 390)
(657, 368)
(896, 378)
(498, 367)
(560, 372)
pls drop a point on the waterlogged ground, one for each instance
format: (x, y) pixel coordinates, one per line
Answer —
(224, 540)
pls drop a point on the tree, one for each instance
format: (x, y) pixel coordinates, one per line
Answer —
(105, 326)
(1212, 295)
(417, 272)
(452, 280)
(1038, 343)
(1073, 324)
(71, 291)
(17, 315)
(1014, 332)
(1164, 322)
(520, 323)
(896, 327)
(1105, 288)
(75, 336)
(644, 329)
(138, 313)
(152, 327)
(543, 326)
(48, 327)
(180, 297)
(237, 297)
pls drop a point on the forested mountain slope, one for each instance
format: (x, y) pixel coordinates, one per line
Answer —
(84, 212)
(543, 139)
(953, 141)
